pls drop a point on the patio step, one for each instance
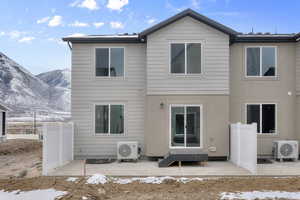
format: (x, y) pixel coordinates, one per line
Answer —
(172, 157)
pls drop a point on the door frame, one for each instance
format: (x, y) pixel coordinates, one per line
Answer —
(170, 125)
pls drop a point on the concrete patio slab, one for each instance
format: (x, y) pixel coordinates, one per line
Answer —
(150, 168)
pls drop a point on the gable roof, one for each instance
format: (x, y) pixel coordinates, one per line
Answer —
(235, 37)
(191, 13)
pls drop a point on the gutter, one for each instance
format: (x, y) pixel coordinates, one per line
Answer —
(262, 39)
(104, 40)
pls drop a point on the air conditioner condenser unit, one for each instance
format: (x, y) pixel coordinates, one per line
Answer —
(127, 151)
(285, 149)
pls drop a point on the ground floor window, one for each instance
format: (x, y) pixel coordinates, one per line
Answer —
(264, 115)
(109, 119)
(185, 125)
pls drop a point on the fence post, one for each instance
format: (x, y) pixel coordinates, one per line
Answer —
(238, 139)
(45, 147)
(72, 146)
(61, 142)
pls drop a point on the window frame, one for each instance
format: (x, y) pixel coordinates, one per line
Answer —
(260, 115)
(109, 109)
(185, 58)
(170, 125)
(260, 62)
(109, 62)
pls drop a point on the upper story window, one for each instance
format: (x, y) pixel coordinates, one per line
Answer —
(186, 58)
(261, 61)
(109, 62)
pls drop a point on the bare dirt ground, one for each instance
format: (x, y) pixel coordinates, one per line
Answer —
(19, 155)
(20, 158)
(208, 189)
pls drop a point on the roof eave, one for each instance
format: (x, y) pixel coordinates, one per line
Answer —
(102, 40)
(297, 37)
(193, 14)
(262, 39)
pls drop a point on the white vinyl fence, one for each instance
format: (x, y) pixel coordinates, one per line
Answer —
(58, 143)
(243, 145)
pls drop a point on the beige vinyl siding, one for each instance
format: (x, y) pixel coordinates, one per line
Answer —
(88, 90)
(215, 72)
(263, 90)
(298, 67)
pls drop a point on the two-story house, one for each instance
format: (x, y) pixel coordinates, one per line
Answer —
(179, 84)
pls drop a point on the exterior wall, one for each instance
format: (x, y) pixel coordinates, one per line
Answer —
(215, 122)
(88, 90)
(298, 67)
(215, 77)
(298, 88)
(265, 90)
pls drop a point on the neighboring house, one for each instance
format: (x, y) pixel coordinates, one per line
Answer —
(179, 84)
(3, 111)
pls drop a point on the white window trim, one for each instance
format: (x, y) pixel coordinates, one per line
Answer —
(170, 125)
(109, 133)
(260, 115)
(185, 58)
(109, 54)
(260, 62)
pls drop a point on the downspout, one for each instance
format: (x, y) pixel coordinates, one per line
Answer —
(70, 46)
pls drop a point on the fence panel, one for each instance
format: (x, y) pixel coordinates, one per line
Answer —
(57, 145)
(243, 146)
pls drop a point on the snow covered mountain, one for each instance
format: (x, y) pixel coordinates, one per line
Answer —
(23, 92)
(59, 83)
(57, 78)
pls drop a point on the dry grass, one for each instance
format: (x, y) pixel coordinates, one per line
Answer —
(20, 158)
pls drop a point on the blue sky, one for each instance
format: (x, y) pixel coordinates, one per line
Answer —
(31, 30)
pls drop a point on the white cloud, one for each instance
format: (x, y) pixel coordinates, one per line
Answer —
(116, 25)
(15, 34)
(58, 41)
(55, 21)
(224, 14)
(42, 20)
(2, 33)
(195, 4)
(116, 4)
(26, 39)
(79, 24)
(76, 35)
(151, 21)
(171, 7)
(98, 24)
(89, 4)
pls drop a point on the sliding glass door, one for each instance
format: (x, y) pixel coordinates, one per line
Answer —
(185, 126)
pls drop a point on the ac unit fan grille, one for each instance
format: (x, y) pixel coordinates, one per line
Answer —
(124, 150)
(286, 149)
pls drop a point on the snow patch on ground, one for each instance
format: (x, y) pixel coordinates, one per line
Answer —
(72, 179)
(260, 195)
(48, 194)
(97, 179)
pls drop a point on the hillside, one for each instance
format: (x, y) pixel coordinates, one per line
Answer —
(24, 93)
